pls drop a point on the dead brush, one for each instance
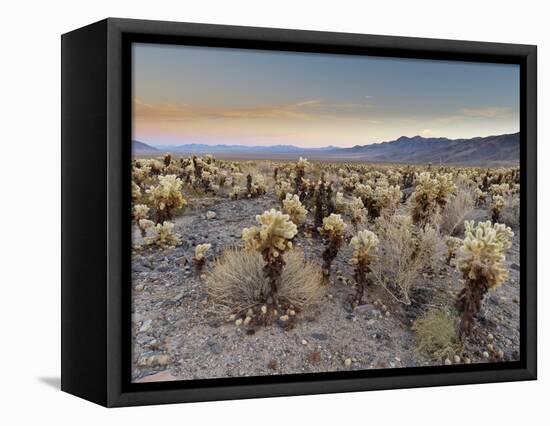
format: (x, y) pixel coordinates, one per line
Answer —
(238, 288)
(455, 212)
(403, 252)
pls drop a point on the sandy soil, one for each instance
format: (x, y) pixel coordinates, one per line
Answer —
(174, 337)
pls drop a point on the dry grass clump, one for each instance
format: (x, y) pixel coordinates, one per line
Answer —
(403, 252)
(436, 334)
(455, 211)
(237, 283)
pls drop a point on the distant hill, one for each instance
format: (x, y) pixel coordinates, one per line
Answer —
(491, 150)
(142, 148)
(502, 150)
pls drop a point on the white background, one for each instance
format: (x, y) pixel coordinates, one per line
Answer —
(30, 210)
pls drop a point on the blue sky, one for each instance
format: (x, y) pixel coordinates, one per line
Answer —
(185, 94)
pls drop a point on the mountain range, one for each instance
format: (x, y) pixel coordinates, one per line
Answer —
(501, 150)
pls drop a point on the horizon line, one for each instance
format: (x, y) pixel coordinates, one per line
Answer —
(322, 146)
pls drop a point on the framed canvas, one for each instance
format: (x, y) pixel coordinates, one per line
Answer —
(255, 212)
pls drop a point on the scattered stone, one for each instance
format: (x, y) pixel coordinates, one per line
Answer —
(139, 287)
(314, 357)
(514, 266)
(163, 268)
(347, 362)
(304, 342)
(490, 337)
(178, 297)
(153, 360)
(146, 326)
(211, 215)
(319, 336)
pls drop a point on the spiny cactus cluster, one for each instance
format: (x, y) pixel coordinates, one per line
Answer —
(294, 209)
(333, 229)
(163, 236)
(481, 259)
(199, 258)
(272, 239)
(365, 245)
(166, 198)
(430, 194)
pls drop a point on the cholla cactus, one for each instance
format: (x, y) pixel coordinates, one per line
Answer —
(199, 258)
(497, 205)
(140, 211)
(481, 260)
(452, 244)
(283, 187)
(166, 198)
(333, 228)
(260, 186)
(294, 208)
(431, 193)
(340, 203)
(301, 166)
(144, 225)
(163, 236)
(271, 239)
(236, 191)
(357, 211)
(480, 196)
(136, 192)
(365, 245)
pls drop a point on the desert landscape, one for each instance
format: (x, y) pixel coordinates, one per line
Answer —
(251, 267)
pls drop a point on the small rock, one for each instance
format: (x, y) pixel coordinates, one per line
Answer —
(485, 355)
(490, 337)
(163, 268)
(347, 362)
(146, 326)
(319, 336)
(210, 214)
(514, 266)
(304, 342)
(178, 297)
(139, 287)
(153, 360)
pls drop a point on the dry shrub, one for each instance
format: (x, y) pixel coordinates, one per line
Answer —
(237, 282)
(436, 334)
(455, 212)
(404, 251)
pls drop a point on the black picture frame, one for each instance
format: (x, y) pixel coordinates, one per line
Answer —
(96, 150)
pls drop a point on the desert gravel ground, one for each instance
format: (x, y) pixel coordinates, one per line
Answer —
(175, 337)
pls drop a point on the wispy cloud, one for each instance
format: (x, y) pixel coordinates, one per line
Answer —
(301, 110)
(485, 112)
